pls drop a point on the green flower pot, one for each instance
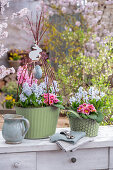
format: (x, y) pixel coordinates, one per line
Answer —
(43, 121)
(85, 125)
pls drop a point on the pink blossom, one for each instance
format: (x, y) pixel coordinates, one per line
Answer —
(52, 98)
(45, 95)
(108, 2)
(86, 108)
(46, 101)
(97, 39)
(4, 71)
(86, 111)
(80, 109)
(51, 102)
(12, 70)
(51, 13)
(56, 100)
(77, 23)
(84, 104)
(92, 108)
(64, 10)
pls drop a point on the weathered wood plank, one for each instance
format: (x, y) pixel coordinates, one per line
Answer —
(86, 159)
(7, 111)
(104, 139)
(22, 161)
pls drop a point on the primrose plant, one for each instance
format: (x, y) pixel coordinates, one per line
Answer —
(88, 104)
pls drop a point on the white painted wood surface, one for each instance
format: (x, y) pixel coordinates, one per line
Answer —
(86, 159)
(21, 161)
(104, 139)
(43, 155)
(111, 158)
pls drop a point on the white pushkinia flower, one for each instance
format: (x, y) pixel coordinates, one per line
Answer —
(86, 96)
(26, 89)
(102, 94)
(54, 87)
(97, 98)
(38, 90)
(80, 89)
(39, 101)
(72, 99)
(22, 97)
(34, 88)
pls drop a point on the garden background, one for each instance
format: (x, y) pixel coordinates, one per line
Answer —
(80, 46)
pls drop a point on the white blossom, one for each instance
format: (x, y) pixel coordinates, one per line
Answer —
(22, 97)
(72, 99)
(26, 89)
(85, 96)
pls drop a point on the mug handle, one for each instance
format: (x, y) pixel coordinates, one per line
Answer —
(27, 125)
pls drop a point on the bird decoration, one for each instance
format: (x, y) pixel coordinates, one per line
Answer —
(35, 55)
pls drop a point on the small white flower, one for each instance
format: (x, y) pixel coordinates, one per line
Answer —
(97, 98)
(80, 89)
(39, 101)
(102, 94)
(22, 97)
(72, 99)
(54, 87)
(34, 88)
(26, 89)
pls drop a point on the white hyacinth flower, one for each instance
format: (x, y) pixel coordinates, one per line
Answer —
(22, 97)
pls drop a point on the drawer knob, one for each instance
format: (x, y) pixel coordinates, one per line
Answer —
(73, 160)
(16, 165)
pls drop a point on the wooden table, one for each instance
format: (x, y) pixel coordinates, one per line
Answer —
(43, 155)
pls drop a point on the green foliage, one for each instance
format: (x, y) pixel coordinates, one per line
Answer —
(10, 88)
(75, 70)
(65, 46)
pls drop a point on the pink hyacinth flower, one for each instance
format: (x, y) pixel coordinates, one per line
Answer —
(56, 100)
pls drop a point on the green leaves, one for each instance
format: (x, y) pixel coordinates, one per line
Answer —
(59, 106)
(92, 116)
(99, 117)
(73, 113)
(98, 104)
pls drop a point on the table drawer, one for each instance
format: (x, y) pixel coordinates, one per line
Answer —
(84, 159)
(111, 158)
(20, 161)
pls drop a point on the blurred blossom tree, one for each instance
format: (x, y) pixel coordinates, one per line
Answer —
(77, 31)
(3, 25)
(3, 22)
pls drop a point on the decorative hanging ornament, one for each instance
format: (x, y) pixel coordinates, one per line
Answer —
(37, 72)
(35, 55)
